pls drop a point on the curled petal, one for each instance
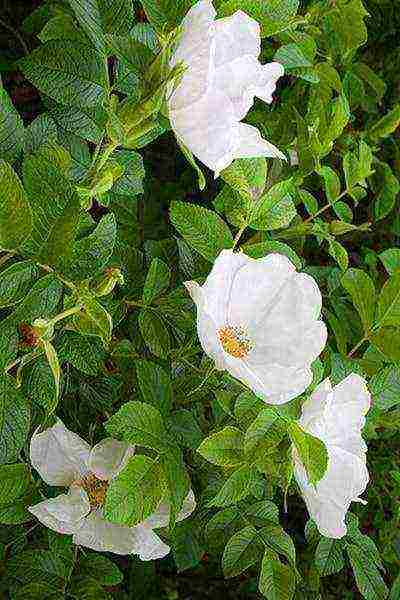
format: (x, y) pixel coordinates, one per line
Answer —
(235, 37)
(101, 535)
(59, 455)
(108, 457)
(63, 513)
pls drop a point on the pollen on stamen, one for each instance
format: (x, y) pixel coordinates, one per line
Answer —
(234, 342)
(95, 488)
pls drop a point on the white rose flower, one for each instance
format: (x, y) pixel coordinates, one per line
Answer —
(336, 416)
(62, 458)
(222, 77)
(258, 319)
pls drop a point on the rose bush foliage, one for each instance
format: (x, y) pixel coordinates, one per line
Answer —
(200, 277)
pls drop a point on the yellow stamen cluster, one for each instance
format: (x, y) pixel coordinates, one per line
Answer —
(234, 342)
(95, 488)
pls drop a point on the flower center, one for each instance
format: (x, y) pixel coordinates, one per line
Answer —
(234, 342)
(95, 488)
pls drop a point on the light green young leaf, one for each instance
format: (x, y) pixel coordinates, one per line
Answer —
(224, 448)
(331, 181)
(273, 16)
(135, 493)
(387, 340)
(54, 364)
(201, 228)
(15, 210)
(339, 253)
(386, 125)
(275, 209)
(263, 248)
(247, 177)
(391, 260)
(311, 450)
(94, 320)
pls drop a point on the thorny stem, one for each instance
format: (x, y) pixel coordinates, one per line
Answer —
(324, 208)
(357, 346)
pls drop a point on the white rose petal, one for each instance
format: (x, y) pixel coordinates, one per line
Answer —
(63, 513)
(149, 545)
(221, 80)
(101, 535)
(59, 455)
(109, 457)
(336, 416)
(259, 320)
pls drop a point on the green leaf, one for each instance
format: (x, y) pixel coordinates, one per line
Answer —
(188, 154)
(16, 281)
(185, 427)
(72, 74)
(103, 569)
(387, 340)
(94, 320)
(277, 581)
(15, 211)
(41, 132)
(37, 591)
(329, 557)
(311, 450)
(11, 128)
(265, 432)
(155, 333)
(166, 15)
(279, 541)
(362, 292)
(87, 13)
(247, 176)
(155, 385)
(135, 493)
(275, 209)
(116, 16)
(85, 353)
(14, 420)
(395, 591)
(41, 386)
(389, 302)
(91, 254)
(15, 480)
(386, 186)
(238, 486)
(139, 423)
(385, 388)
(357, 166)
(131, 181)
(186, 546)
(386, 125)
(178, 483)
(201, 228)
(345, 26)
(241, 552)
(224, 448)
(391, 260)
(367, 576)
(273, 16)
(331, 181)
(55, 206)
(157, 280)
(339, 253)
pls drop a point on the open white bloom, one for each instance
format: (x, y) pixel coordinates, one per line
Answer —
(62, 458)
(336, 416)
(258, 319)
(222, 77)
